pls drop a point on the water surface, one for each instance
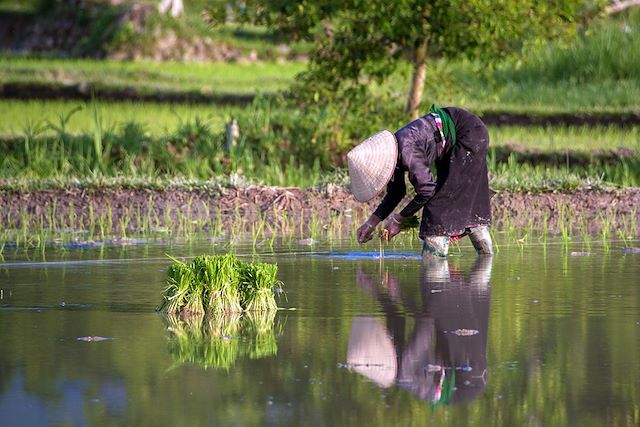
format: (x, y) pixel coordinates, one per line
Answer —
(538, 335)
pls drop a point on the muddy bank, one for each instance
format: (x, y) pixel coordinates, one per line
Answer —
(290, 210)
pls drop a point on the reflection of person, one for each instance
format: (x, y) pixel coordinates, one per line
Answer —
(443, 360)
(456, 204)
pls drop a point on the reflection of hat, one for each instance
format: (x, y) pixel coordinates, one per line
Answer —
(371, 164)
(371, 352)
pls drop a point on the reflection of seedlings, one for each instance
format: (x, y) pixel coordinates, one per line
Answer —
(220, 284)
(219, 341)
(260, 333)
(193, 342)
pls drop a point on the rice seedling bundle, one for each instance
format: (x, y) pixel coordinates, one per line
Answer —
(258, 280)
(179, 282)
(219, 284)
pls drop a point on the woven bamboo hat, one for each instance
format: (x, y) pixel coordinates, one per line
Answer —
(371, 164)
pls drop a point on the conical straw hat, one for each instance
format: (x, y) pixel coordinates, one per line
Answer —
(371, 164)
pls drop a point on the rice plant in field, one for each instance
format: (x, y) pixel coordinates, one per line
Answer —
(219, 284)
(257, 281)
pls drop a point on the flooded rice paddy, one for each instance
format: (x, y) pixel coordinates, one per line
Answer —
(535, 335)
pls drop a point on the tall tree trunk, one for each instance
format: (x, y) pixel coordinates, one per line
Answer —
(417, 82)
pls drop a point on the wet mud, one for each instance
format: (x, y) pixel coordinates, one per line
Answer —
(277, 209)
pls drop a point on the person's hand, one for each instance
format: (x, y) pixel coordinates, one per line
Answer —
(365, 232)
(392, 226)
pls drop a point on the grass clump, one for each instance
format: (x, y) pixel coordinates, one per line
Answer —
(219, 284)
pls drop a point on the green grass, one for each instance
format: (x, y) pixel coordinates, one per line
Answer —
(149, 77)
(156, 119)
(193, 147)
(559, 138)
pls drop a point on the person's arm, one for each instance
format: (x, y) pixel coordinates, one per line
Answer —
(396, 190)
(418, 154)
(424, 185)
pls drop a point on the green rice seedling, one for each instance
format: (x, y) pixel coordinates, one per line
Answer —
(156, 220)
(194, 300)
(301, 224)
(220, 285)
(150, 213)
(257, 231)
(92, 220)
(166, 217)
(102, 225)
(314, 227)
(562, 226)
(123, 222)
(188, 222)
(217, 225)
(496, 246)
(629, 224)
(109, 223)
(545, 228)
(220, 277)
(139, 221)
(258, 281)
(72, 216)
(605, 230)
(272, 233)
(624, 237)
(207, 223)
(569, 208)
(181, 220)
(180, 279)
(584, 233)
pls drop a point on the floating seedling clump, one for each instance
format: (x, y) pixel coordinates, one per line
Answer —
(220, 284)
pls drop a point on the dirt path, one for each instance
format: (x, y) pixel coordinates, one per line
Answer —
(293, 209)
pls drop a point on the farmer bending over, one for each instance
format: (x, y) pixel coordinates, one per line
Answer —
(454, 205)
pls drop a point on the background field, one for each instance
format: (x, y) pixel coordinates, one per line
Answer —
(117, 135)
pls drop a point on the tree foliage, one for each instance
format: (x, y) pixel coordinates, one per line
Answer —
(361, 41)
